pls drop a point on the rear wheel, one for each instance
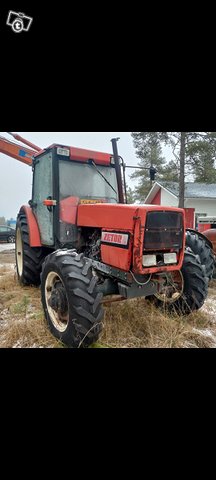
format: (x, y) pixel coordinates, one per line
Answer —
(29, 260)
(214, 272)
(201, 248)
(70, 299)
(185, 291)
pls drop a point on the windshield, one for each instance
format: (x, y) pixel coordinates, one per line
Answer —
(83, 181)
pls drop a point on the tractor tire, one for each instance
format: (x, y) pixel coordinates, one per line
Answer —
(71, 303)
(199, 247)
(29, 260)
(214, 272)
(195, 287)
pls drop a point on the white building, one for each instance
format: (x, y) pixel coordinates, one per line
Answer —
(200, 198)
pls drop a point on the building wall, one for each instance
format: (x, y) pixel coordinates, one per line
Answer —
(157, 199)
(167, 199)
(202, 205)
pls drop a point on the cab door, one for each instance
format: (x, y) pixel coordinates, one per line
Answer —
(42, 190)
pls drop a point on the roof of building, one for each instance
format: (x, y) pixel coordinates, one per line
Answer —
(192, 190)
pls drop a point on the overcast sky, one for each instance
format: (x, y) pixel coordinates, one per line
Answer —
(16, 177)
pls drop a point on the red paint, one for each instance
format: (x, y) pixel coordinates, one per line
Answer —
(107, 216)
(157, 199)
(211, 235)
(49, 203)
(23, 140)
(83, 155)
(190, 217)
(34, 234)
(125, 218)
(116, 257)
(202, 227)
(68, 210)
(12, 150)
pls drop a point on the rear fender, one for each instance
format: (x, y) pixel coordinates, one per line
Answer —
(201, 236)
(34, 233)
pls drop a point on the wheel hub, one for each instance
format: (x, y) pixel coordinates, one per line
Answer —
(172, 288)
(58, 299)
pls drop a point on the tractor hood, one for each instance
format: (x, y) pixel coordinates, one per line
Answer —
(117, 216)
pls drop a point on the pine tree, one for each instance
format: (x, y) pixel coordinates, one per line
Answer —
(130, 195)
(171, 171)
(202, 156)
(188, 148)
(149, 152)
(194, 156)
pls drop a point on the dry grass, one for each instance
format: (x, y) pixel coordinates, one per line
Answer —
(129, 324)
(137, 323)
(21, 318)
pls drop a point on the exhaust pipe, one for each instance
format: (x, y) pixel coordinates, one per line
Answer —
(118, 170)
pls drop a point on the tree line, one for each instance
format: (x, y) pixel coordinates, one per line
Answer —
(193, 159)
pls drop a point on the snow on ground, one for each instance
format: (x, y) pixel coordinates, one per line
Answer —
(210, 308)
(7, 246)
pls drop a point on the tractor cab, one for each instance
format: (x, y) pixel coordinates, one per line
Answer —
(65, 177)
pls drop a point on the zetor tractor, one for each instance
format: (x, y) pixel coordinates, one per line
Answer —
(81, 242)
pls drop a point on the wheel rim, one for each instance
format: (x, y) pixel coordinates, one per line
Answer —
(56, 301)
(19, 252)
(172, 289)
(11, 239)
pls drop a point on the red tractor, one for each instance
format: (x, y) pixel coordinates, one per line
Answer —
(81, 242)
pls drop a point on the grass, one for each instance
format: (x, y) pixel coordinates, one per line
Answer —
(137, 323)
(129, 324)
(21, 318)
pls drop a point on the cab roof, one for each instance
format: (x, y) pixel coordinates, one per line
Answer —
(82, 155)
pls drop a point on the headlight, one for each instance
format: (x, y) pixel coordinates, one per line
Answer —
(170, 258)
(149, 261)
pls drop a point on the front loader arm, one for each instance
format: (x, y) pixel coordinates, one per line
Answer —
(23, 140)
(19, 152)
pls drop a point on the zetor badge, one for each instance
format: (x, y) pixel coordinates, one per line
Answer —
(116, 238)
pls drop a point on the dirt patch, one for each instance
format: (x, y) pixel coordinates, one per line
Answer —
(134, 323)
(7, 256)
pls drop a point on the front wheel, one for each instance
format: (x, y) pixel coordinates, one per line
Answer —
(185, 291)
(70, 300)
